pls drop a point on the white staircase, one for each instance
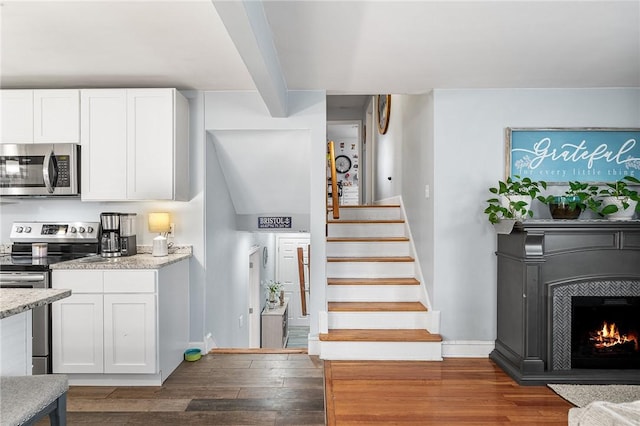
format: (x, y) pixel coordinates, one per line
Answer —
(377, 307)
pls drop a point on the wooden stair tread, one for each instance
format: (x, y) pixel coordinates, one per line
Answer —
(365, 221)
(372, 281)
(376, 307)
(366, 239)
(384, 335)
(372, 259)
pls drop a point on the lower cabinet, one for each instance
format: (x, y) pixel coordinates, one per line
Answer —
(275, 326)
(121, 321)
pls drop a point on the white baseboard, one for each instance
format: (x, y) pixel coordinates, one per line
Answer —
(314, 345)
(467, 348)
(198, 345)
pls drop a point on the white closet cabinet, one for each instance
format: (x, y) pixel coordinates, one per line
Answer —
(135, 144)
(40, 116)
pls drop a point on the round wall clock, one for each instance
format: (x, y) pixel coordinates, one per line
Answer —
(343, 164)
(384, 109)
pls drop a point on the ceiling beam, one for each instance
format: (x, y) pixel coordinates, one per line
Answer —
(249, 30)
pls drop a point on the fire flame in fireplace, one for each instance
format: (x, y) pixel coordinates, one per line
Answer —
(609, 336)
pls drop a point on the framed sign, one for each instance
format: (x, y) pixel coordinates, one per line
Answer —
(559, 155)
(271, 222)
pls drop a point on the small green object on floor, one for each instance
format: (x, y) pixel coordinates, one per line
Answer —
(192, 354)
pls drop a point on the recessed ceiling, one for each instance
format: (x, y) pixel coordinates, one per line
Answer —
(343, 47)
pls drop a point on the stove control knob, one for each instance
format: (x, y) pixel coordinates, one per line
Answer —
(73, 230)
(19, 229)
(81, 230)
(27, 229)
(89, 229)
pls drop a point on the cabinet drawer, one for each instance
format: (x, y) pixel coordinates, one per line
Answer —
(78, 281)
(130, 281)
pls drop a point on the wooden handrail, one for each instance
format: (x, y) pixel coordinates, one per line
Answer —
(303, 293)
(335, 199)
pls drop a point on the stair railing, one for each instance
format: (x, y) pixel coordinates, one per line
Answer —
(335, 197)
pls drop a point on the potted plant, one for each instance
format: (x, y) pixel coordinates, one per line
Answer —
(619, 201)
(579, 197)
(273, 292)
(513, 202)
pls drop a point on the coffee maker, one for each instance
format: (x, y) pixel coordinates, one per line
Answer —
(128, 234)
(117, 235)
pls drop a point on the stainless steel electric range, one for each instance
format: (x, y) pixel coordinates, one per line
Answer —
(20, 269)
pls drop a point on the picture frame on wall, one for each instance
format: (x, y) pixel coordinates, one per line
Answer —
(560, 155)
(384, 110)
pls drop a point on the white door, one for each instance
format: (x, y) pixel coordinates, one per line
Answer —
(56, 116)
(287, 274)
(16, 110)
(254, 299)
(104, 144)
(78, 334)
(129, 333)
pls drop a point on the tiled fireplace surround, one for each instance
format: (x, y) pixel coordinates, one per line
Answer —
(542, 264)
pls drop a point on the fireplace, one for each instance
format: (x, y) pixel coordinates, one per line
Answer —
(605, 332)
(559, 283)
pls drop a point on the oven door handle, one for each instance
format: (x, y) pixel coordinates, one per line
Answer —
(20, 279)
(48, 179)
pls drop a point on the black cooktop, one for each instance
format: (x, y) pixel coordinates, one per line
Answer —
(20, 258)
(10, 262)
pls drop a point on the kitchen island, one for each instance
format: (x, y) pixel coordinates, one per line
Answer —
(15, 325)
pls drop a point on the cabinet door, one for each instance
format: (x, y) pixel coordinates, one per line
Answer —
(130, 333)
(56, 116)
(150, 138)
(17, 116)
(78, 334)
(104, 144)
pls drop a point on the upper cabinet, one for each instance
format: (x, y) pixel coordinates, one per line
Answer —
(134, 144)
(40, 116)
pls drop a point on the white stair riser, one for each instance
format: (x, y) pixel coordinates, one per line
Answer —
(373, 293)
(355, 230)
(370, 269)
(367, 249)
(379, 320)
(373, 213)
(381, 351)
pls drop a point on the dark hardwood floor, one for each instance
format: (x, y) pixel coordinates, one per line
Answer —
(287, 389)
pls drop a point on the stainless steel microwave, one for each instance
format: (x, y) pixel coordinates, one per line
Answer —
(39, 169)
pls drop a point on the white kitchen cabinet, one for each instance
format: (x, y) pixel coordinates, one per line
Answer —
(130, 333)
(78, 334)
(121, 326)
(134, 144)
(56, 116)
(17, 116)
(40, 116)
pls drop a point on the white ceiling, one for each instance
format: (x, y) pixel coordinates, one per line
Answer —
(344, 47)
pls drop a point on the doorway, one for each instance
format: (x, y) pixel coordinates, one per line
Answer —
(254, 297)
(287, 274)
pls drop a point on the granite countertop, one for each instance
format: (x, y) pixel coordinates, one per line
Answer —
(139, 261)
(16, 300)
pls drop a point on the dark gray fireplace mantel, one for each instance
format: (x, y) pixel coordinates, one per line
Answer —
(539, 262)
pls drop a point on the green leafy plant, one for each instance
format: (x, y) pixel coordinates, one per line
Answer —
(273, 287)
(512, 190)
(578, 197)
(623, 192)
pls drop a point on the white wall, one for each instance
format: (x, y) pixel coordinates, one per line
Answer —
(225, 245)
(417, 172)
(387, 153)
(468, 129)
